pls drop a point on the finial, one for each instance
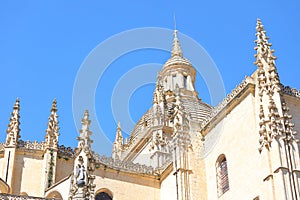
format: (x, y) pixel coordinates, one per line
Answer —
(54, 105)
(119, 137)
(85, 133)
(52, 131)
(119, 131)
(176, 50)
(13, 129)
(17, 104)
(118, 143)
(86, 119)
(119, 126)
(262, 40)
(263, 46)
(174, 21)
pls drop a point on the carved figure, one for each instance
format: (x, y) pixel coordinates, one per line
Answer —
(80, 175)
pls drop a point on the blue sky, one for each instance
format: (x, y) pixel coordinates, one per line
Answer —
(44, 43)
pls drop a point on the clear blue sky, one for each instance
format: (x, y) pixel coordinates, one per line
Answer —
(44, 43)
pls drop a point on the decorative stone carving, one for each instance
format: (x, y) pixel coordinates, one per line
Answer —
(13, 129)
(268, 79)
(28, 145)
(158, 142)
(288, 125)
(83, 186)
(290, 91)
(52, 131)
(229, 98)
(65, 152)
(158, 95)
(129, 166)
(118, 144)
(272, 124)
(84, 141)
(80, 173)
(1, 147)
(21, 197)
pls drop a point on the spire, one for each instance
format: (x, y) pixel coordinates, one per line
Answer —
(268, 89)
(52, 131)
(176, 54)
(13, 129)
(119, 137)
(82, 186)
(118, 144)
(176, 50)
(263, 46)
(84, 140)
(265, 61)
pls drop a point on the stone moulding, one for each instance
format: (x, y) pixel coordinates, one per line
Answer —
(19, 197)
(290, 91)
(65, 152)
(28, 145)
(130, 166)
(226, 101)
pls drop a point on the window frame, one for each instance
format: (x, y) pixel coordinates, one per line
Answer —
(222, 177)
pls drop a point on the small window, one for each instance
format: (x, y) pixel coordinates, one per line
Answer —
(222, 175)
(185, 82)
(174, 80)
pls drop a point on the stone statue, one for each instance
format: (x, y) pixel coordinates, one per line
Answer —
(80, 175)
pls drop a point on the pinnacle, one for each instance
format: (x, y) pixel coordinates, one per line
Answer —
(119, 137)
(259, 24)
(261, 34)
(17, 104)
(52, 131)
(176, 50)
(86, 115)
(13, 128)
(54, 106)
(86, 120)
(263, 46)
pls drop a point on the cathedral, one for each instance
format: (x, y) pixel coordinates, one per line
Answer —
(247, 147)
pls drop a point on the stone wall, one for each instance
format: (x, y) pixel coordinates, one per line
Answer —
(127, 186)
(28, 173)
(237, 138)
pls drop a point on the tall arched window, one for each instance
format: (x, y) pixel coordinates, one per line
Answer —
(222, 175)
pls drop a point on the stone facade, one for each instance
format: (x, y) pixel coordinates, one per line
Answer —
(247, 147)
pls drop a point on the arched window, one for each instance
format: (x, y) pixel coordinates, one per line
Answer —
(222, 175)
(54, 195)
(23, 194)
(103, 194)
(185, 82)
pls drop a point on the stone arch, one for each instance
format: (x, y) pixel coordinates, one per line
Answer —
(23, 194)
(54, 194)
(104, 194)
(4, 187)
